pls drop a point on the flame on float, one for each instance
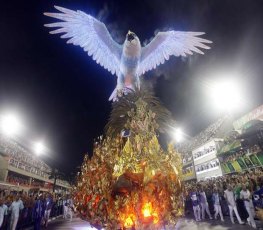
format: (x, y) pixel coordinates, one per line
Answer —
(147, 211)
(149, 215)
(129, 221)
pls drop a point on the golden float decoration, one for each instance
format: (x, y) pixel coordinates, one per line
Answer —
(131, 182)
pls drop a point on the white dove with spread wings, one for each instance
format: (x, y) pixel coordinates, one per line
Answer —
(130, 60)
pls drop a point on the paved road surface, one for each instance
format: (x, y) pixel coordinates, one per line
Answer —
(184, 224)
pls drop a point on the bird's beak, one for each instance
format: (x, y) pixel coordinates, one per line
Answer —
(129, 32)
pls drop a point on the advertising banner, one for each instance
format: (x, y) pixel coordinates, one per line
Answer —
(236, 166)
(225, 169)
(254, 159)
(243, 163)
(260, 157)
(248, 162)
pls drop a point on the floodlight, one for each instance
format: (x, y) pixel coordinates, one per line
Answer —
(178, 135)
(39, 148)
(226, 95)
(10, 124)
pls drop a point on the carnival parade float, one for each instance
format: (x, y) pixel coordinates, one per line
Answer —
(130, 182)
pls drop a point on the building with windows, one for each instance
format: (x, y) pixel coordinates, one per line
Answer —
(188, 167)
(205, 158)
(200, 150)
(226, 146)
(22, 170)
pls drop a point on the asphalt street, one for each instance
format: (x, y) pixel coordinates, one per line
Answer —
(183, 224)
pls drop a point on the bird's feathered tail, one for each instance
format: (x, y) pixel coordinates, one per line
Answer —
(119, 92)
(113, 96)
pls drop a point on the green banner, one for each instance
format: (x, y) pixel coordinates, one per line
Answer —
(248, 162)
(230, 166)
(225, 168)
(230, 147)
(255, 161)
(236, 166)
(260, 157)
(242, 163)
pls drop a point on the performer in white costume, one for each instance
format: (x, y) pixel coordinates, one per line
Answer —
(245, 195)
(229, 195)
(216, 200)
(15, 208)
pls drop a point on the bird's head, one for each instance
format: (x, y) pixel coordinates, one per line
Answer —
(132, 45)
(132, 37)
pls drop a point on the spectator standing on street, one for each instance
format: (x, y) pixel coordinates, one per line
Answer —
(245, 195)
(195, 203)
(38, 212)
(15, 208)
(65, 207)
(216, 201)
(70, 207)
(4, 224)
(49, 203)
(204, 204)
(2, 212)
(229, 195)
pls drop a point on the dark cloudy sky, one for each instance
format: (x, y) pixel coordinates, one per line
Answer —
(62, 94)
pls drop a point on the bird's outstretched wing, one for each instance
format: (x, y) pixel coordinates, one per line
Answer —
(89, 33)
(166, 44)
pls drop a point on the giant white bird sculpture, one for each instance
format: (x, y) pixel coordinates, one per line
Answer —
(130, 60)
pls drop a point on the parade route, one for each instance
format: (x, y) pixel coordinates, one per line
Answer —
(183, 224)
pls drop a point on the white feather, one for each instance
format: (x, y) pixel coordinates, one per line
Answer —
(87, 32)
(166, 44)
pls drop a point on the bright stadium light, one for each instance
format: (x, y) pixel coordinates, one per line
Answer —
(226, 96)
(39, 148)
(10, 124)
(178, 135)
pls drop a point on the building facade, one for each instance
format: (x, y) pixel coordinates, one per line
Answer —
(206, 162)
(22, 170)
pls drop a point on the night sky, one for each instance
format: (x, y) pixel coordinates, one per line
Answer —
(62, 94)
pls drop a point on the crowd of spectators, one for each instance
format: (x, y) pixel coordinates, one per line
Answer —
(250, 182)
(187, 157)
(24, 166)
(205, 151)
(207, 165)
(37, 183)
(21, 155)
(204, 136)
(188, 170)
(20, 180)
(20, 158)
(17, 180)
(240, 153)
(21, 210)
(234, 156)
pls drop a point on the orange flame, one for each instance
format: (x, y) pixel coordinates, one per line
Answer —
(155, 218)
(128, 222)
(147, 210)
